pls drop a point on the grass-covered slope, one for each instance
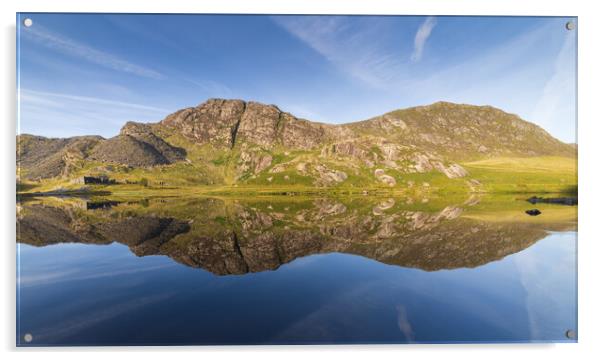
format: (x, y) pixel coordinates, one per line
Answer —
(535, 174)
(464, 132)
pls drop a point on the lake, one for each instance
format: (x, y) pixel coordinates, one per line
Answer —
(294, 270)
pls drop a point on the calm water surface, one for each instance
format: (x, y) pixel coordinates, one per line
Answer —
(212, 271)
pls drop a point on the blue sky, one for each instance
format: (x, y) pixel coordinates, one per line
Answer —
(90, 73)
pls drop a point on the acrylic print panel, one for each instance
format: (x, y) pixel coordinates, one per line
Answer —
(237, 179)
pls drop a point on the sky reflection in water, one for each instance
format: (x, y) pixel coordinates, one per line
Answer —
(82, 294)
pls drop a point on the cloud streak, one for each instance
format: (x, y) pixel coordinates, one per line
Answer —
(404, 323)
(60, 115)
(211, 88)
(347, 43)
(92, 317)
(558, 96)
(422, 35)
(85, 52)
(45, 98)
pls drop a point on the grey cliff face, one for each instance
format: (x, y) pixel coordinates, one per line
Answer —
(224, 123)
(215, 121)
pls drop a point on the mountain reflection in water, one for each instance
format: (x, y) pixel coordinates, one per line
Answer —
(237, 236)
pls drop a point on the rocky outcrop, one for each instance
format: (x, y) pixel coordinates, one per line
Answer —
(215, 121)
(325, 176)
(373, 151)
(384, 178)
(260, 124)
(452, 171)
(381, 207)
(225, 123)
(252, 161)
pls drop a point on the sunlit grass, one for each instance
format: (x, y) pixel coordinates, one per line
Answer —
(526, 175)
(537, 175)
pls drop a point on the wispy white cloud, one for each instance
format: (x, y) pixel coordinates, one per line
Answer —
(499, 75)
(546, 272)
(497, 64)
(43, 97)
(52, 277)
(557, 101)
(513, 75)
(79, 50)
(61, 115)
(404, 323)
(211, 88)
(302, 111)
(347, 44)
(422, 35)
(357, 48)
(94, 316)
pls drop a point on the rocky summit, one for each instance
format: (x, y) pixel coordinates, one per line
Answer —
(244, 142)
(226, 123)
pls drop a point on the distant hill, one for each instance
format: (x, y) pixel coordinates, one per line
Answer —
(43, 157)
(237, 142)
(136, 145)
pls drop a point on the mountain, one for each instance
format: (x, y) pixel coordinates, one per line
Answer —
(137, 146)
(43, 157)
(248, 143)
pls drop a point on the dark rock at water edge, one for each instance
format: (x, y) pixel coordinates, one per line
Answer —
(533, 212)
